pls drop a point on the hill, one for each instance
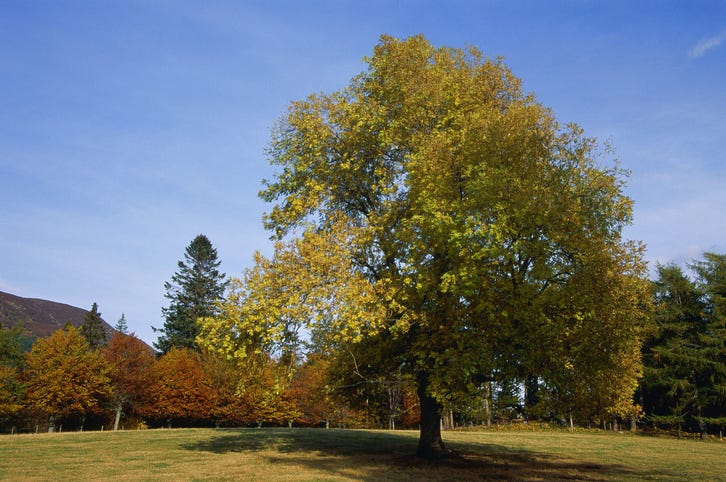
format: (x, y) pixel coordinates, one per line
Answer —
(40, 317)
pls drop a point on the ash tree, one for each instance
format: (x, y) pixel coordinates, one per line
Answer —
(193, 293)
(434, 220)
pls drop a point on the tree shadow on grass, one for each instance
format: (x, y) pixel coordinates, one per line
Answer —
(374, 455)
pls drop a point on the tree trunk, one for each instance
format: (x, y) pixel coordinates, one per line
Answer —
(487, 404)
(703, 429)
(702, 425)
(531, 396)
(118, 417)
(430, 444)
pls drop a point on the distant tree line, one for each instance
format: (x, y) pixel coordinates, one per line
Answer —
(68, 382)
(63, 383)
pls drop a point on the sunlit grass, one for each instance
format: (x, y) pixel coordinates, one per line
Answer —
(318, 454)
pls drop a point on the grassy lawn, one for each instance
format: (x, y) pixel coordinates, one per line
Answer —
(318, 454)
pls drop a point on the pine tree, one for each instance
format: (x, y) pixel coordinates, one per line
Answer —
(121, 325)
(685, 361)
(711, 399)
(92, 328)
(193, 293)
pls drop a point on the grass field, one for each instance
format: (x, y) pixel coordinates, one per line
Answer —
(318, 454)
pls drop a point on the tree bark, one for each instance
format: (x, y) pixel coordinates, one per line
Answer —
(430, 444)
(531, 396)
(703, 429)
(487, 404)
(116, 421)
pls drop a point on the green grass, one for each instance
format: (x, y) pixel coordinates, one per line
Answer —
(318, 454)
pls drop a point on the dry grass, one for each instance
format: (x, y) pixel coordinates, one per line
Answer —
(317, 454)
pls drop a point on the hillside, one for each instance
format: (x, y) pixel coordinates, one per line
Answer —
(39, 317)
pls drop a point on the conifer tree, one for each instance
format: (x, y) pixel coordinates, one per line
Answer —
(685, 361)
(121, 325)
(92, 328)
(711, 400)
(193, 292)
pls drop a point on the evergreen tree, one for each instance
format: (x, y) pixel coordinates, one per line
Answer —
(92, 328)
(12, 345)
(193, 293)
(711, 398)
(121, 325)
(684, 378)
(667, 386)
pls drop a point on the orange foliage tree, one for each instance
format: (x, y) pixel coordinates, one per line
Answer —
(131, 362)
(269, 393)
(255, 390)
(182, 390)
(226, 377)
(312, 394)
(65, 377)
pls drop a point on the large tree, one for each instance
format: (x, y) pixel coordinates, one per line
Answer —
(444, 226)
(193, 292)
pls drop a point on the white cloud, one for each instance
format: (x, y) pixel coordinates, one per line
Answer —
(700, 49)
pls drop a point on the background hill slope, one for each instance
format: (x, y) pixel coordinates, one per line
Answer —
(40, 317)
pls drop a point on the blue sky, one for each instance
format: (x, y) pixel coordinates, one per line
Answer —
(129, 127)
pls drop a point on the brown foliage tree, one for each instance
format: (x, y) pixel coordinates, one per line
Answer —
(182, 391)
(226, 377)
(131, 362)
(312, 394)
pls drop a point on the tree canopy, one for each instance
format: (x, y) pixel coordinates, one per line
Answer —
(436, 221)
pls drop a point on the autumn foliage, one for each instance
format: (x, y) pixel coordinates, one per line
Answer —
(131, 362)
(181, 391)
(65, 377)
